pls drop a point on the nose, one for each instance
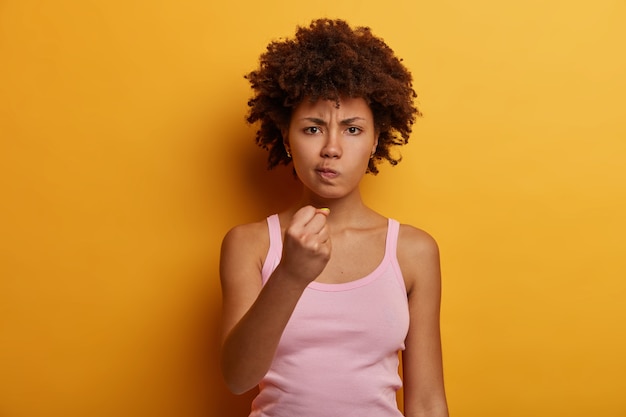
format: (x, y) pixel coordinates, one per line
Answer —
(332, 146)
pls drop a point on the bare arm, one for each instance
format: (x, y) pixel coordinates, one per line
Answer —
(424, 393)
(254, 317)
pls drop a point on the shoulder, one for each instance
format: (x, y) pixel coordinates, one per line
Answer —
(418, 256)
(416, 242)
(247, 233)
(245, 241)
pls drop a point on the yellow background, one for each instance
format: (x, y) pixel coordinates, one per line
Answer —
(125, 157)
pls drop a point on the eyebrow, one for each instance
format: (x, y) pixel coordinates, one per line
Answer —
(348, 121)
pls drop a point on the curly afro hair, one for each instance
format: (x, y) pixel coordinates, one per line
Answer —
(329, 60)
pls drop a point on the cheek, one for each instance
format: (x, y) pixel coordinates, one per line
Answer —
(363, 153)
(299, 163)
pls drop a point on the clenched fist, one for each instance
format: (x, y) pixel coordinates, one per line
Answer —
(306, 246)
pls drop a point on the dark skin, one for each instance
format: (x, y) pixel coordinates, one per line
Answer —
(324, 61)
(329, 236)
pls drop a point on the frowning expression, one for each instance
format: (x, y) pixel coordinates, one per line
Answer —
(331, 144)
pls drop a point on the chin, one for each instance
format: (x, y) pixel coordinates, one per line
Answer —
(327, 194)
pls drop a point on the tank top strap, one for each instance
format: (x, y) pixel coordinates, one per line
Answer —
(391, 250)
(275, 250)
(393, 230)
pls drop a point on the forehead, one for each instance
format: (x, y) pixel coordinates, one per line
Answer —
(345, 108)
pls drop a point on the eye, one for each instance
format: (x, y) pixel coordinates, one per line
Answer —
(312, 130)
(353, 130)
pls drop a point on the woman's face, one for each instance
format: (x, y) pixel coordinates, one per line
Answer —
(331, 145)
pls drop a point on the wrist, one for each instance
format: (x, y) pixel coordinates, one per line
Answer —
(288, 282)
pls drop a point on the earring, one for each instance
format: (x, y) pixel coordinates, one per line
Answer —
(288, 154)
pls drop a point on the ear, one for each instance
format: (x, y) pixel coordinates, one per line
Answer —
(285, 135)
(375, 144)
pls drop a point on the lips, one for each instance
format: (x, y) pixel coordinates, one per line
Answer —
(327, 173)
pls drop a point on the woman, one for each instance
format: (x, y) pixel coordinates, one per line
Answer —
(320, 298)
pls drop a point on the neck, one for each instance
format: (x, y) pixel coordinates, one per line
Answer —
(347, 210)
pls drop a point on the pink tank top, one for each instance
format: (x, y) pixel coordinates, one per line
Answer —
(338, 355)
